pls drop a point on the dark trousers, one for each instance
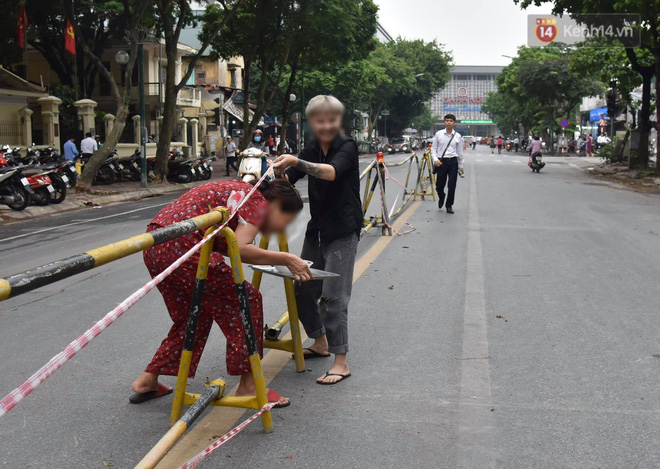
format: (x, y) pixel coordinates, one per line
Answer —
(323, 304)
(231, 162)
(448, 170)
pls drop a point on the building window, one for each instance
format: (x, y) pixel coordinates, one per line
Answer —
(461, 77)
(232, 78)
(482, 77)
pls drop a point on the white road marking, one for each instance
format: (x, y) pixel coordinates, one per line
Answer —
(475, 421)
(498, 161)
(573, 165)
(80, 222)
(517, 161)
(479, 161)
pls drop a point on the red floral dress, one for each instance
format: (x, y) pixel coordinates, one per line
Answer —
(220, 302)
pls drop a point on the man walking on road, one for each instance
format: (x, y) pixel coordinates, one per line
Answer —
(447, 151)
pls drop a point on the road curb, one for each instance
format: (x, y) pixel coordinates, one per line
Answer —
(87, 200)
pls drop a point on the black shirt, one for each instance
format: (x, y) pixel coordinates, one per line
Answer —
(335, 205)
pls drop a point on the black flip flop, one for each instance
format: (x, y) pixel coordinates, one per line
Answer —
(343, 377)
(140, 397)
(312, 354)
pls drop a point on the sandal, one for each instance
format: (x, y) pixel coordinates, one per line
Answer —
(343, 377)
(274, 396)
(140, 397)
(313, 354)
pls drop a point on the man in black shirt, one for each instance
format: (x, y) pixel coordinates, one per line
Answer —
(331, 161)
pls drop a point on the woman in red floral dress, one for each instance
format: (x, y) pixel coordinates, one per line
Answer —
(269, 210)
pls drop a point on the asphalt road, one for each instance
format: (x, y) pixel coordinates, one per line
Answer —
(520, 332)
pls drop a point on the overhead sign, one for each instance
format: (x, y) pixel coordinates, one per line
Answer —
(483, 121)
(597, 114)
(385, 112)
(564, 123)
(269, 120)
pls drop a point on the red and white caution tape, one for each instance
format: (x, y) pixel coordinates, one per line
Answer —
(195, 460)
(17, 395)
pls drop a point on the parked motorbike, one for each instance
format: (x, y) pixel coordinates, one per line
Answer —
(181, 169)
(250, 164)
(15, 191)
(108, 173)
(537, 163)
(129, 168)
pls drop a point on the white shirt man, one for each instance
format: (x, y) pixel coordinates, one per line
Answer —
(88, 145)
(447, 153)
(455, 149)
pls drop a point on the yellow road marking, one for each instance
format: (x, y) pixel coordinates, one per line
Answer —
(219, 420)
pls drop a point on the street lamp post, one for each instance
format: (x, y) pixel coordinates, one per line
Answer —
(385, 113)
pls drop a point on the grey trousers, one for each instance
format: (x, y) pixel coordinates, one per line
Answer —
(323, 304)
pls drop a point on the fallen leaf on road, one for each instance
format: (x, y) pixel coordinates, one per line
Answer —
(89, 203)
(107, 463)
(391, 287)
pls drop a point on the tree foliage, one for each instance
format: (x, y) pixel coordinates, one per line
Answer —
(594, 11)
(539, 88)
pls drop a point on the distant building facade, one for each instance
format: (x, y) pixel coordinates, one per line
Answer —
(464, 95)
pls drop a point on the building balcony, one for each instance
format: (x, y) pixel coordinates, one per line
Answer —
(187, 97)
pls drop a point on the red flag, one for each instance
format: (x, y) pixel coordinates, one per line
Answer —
(22, 25)
(70, 38)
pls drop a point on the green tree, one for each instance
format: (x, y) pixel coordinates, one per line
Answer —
(100, 24)
(263, 33)
(350, 38)
(541, 88)
(429, 65)
(130, 19)
(172, 17)
(592, 12)
(425, 120)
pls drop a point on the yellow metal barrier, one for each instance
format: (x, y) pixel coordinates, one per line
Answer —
(294, 344)
(214, 394)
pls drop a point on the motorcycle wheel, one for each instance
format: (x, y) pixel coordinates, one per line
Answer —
(207, 174)
(185, 176)
(22, 198)
(73, 180)
(106, 175)
(59, 195)
(41, 197)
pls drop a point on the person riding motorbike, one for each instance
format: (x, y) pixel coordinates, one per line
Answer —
(259, 143)
(534, 148)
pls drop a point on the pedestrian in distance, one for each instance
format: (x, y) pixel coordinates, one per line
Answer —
(447, 153)
(230, 151)
(474, 143)
(269, 210)
(516, 144)
(500, 144)
(492, 144)
(71, 153)
(97, 138)
(88, 146)
(330, 160)
(590, 145)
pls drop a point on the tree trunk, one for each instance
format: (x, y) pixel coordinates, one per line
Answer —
(169, 118)
(639, 159)
(286, 113)
(95, 162)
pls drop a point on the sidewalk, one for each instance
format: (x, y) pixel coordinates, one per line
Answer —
(101, 195)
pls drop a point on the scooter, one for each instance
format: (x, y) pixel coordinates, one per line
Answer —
(15, 191)
(129, 168)
(250, 164)
(536, 162)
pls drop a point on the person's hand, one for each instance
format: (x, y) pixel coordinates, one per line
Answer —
(283, 162)
(299, 269)
(437, 163)
(461, 171)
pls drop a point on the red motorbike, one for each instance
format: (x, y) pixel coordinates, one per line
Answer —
(38, 181)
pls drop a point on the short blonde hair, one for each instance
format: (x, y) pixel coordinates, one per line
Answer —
(322, 103)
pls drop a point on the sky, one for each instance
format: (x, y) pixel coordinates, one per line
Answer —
(479, 32)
